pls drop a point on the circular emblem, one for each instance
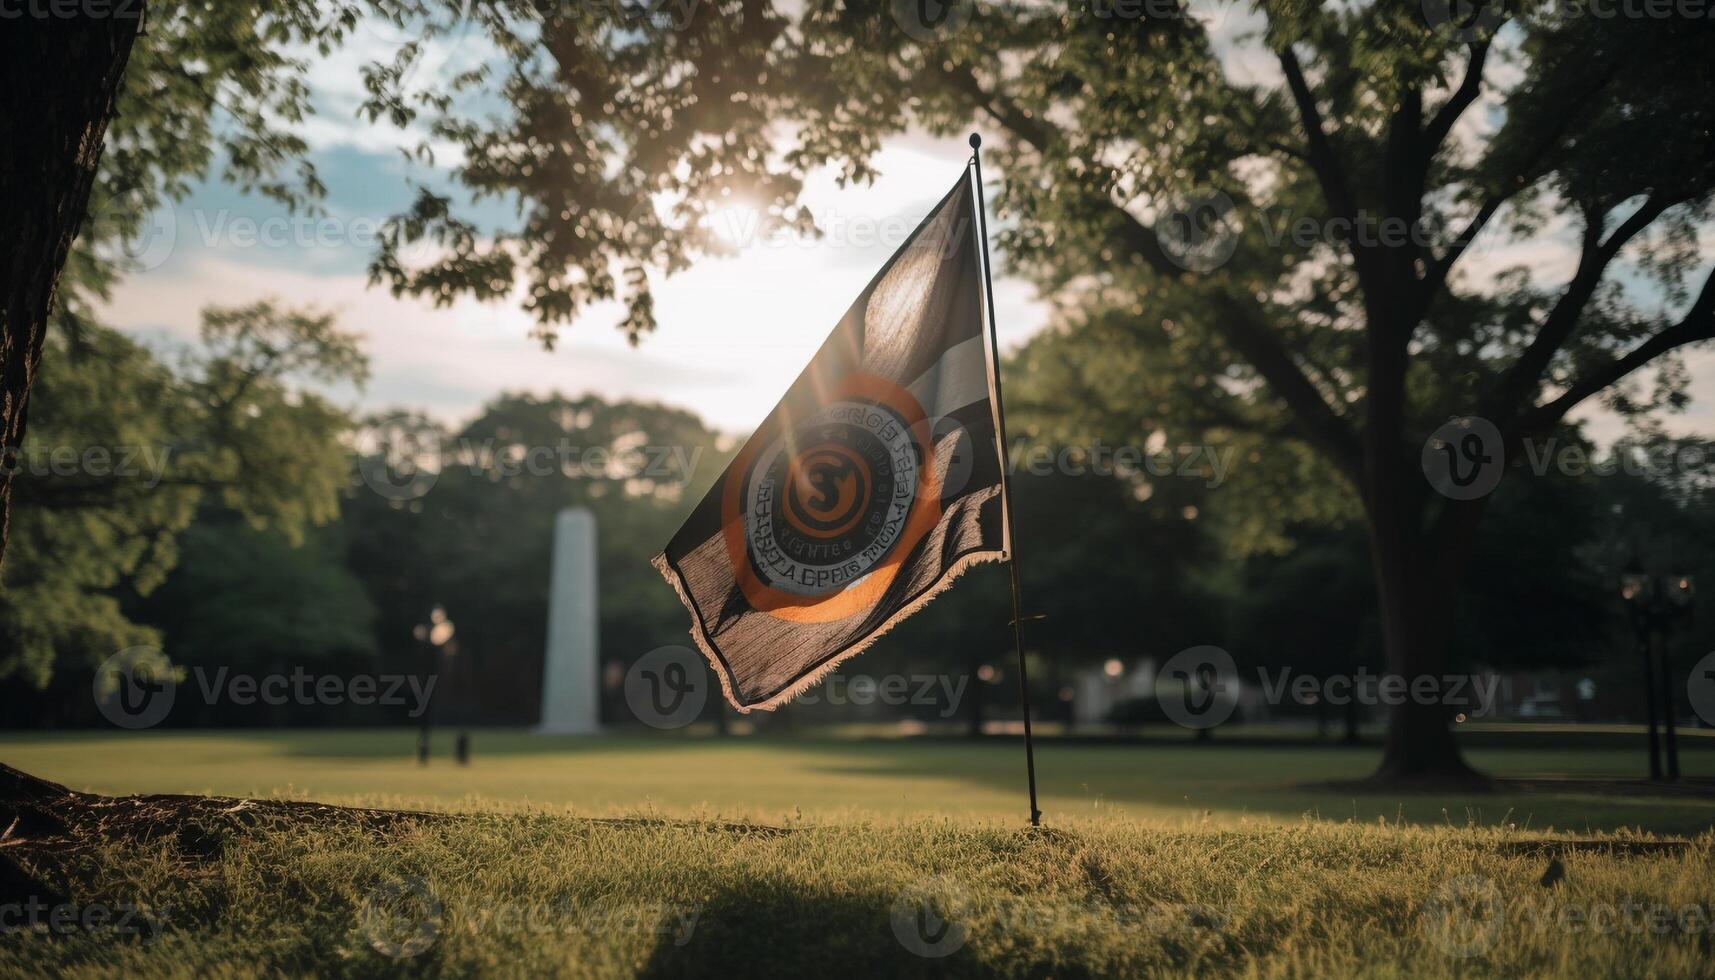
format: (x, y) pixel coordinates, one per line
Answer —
(1465, 20)
(928, 917)
(1464, 917)
(400, 917)
(1464, 458)
(931, 21)
(667, 687)
(1198, 231)
(1202, 691)
(1700, 688)
(819, 517)
(135, 688)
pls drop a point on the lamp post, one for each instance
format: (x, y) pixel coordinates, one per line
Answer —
(434, 636)
(1655, 604)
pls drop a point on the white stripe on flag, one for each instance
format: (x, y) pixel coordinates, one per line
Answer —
(959, 378)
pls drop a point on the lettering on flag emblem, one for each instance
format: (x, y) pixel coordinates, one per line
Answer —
(818, 521)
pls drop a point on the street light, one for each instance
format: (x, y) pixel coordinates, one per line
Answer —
(435, 637)
(1655, 604)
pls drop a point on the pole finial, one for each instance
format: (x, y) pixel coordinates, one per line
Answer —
(976, 141)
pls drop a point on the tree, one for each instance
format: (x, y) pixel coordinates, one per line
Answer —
(475, 534)
(1355, 345)
(48, 157)
(619, 128)
(121, 120)
(125, 450)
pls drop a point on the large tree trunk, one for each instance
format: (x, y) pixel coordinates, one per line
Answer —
(62, 75)
(1417, 575)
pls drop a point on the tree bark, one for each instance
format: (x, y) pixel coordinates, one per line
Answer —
(63, 74)
(1417, 573)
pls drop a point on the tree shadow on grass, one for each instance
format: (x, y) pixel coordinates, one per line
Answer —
(793, 931)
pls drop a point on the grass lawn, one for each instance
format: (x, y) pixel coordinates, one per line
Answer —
(1174, 784)
(623, 857)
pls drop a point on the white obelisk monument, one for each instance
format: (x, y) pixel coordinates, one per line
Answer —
(571, 671)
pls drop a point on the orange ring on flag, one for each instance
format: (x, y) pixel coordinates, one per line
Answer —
(868, 590)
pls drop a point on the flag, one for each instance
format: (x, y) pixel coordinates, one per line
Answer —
(872, 485)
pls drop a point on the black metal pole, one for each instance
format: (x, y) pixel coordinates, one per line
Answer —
(1669, 737)
(1006, 487)
(1649, 699)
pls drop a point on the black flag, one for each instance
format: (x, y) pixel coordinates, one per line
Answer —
(872, 485)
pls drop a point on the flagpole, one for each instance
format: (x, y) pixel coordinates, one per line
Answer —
(1006, 488)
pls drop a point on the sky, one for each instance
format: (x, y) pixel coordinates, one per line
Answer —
(732, 332)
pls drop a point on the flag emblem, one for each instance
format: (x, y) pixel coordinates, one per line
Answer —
(867, 490)
(826, 505)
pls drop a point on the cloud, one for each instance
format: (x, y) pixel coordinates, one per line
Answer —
(733, 333)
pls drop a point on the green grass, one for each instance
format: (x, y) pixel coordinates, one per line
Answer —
(1162, 860)
(769, 779)
(536, 894)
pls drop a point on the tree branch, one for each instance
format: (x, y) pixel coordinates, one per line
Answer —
(1521, 177)
(1520, 379)
(1323, 160)
(1697, 325)
(1242, 325)
(1472, 85)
